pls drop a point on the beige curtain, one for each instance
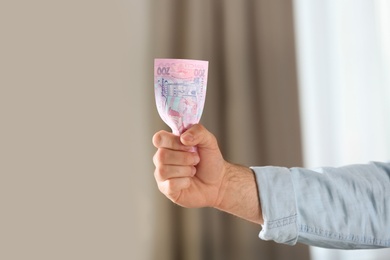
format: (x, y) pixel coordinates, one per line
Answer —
(251, 106)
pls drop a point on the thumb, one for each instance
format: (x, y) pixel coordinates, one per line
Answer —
(199, 136)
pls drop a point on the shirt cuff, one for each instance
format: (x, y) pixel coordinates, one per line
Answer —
(277, 198)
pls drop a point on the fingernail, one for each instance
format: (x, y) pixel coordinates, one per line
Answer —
(196, 159)
(188, 137)
(189, 148)
(193, 171)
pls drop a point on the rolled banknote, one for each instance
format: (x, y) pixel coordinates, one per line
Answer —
(180, 91)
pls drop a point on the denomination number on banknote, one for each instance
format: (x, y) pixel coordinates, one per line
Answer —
(199, 72)
(163, 71)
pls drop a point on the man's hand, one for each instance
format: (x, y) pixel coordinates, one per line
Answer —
(191, 177)
(190, 171)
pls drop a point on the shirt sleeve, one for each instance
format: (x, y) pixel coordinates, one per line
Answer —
(346, 207)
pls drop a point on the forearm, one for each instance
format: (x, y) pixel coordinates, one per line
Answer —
(239, 195)
(346, 207)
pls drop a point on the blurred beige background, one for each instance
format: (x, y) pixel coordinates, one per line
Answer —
(77, 115)
(75, 135)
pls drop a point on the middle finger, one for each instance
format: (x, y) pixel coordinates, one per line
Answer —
(171, 157)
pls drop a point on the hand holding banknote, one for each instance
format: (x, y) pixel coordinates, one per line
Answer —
(190, 169)
(203, 178)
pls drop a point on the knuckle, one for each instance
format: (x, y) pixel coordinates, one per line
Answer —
(162, 173)
(157, 175)
(161, 187)
(155, 160)
(163, 139)
(200, 127)
(157, 139)
(173, 186)
(160, 156)
(170, 186)
(166, 187)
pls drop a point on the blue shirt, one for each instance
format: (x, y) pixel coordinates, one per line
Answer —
(345, 208)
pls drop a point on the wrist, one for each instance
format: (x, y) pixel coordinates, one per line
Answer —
(238, 193)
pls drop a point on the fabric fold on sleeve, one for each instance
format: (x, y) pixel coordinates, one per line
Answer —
(277, 198)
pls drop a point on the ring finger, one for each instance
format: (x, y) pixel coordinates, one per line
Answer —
(166, 172)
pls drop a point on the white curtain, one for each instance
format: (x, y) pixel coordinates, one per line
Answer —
(343, 51)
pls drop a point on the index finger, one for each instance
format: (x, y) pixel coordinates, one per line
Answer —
(164, 139)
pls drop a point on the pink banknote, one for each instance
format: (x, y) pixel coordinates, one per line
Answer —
(180, 91)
